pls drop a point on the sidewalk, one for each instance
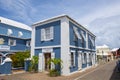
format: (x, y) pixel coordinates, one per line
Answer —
(44, 76)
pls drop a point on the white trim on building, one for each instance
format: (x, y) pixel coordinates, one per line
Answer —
(14, 23)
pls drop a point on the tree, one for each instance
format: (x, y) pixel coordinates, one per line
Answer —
(18, 58)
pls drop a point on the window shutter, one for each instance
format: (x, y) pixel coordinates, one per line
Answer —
(41, 62)
(69, 59)
(42, 34)
(87, 55)
(52, 57)
(77, 33)
(92, 41)
(82, 33)
(79, 60)
(51, 32)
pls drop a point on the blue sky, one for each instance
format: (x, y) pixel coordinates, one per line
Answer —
(102, 17)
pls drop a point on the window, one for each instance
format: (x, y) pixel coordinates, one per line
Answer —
(47, 34)
(20, 34)
(12, 42)
(9, 32)
(28, 43)
(72, 59)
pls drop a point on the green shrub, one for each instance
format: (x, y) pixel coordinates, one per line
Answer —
(18, 58)
(54, 73)
(34, 64)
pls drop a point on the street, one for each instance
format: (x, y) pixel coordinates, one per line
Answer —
(105, 72)
(101, 72)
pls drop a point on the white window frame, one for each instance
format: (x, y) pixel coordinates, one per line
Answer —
(84, 58)
(47, 36)
(20, 34)
(28, 43)
(9, 32)
(82, 33)
(14, 43)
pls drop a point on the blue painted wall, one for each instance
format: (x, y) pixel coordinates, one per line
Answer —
(4, 29)
(20, 43)
(55, 41)
(72, 36)
(6, 68)
(55, 50)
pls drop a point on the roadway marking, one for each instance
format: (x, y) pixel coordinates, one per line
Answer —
(89, 72)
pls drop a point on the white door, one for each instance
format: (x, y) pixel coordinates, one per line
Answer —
(79, 61)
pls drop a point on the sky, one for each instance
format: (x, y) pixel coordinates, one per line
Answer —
(101, 17)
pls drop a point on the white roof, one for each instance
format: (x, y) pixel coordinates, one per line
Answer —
(114, 49)
(104, 46)
(14, 23)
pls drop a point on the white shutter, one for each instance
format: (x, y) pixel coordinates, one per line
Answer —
(77, 33)
(42, 34)
(52, 32)
(79, 60)
(52, 57)
(69, 59)
(82, 33)
(87, 55)
(92, 41)
(41, 62)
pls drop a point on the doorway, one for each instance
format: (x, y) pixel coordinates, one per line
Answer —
(47, 57)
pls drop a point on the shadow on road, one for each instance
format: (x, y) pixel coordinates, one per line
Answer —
(115, 75)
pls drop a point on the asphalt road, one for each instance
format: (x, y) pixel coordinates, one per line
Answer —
(105, 72)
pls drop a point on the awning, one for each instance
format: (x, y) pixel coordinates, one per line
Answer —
(82, 33)
(77, 33)
(91, 40)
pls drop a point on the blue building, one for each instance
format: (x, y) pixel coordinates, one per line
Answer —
(64, 38)
(14, 37)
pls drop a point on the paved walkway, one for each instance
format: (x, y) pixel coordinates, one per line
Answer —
(103, 72)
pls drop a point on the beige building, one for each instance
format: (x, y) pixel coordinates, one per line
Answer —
(104, 53)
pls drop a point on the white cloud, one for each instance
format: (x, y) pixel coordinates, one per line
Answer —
(19, 9)
(101, 12)
(107, 31)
